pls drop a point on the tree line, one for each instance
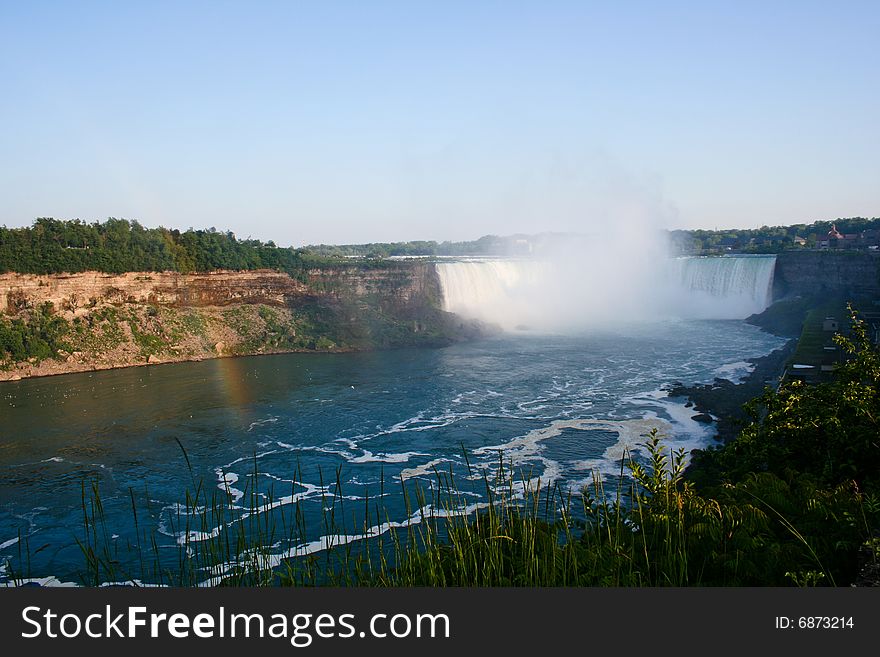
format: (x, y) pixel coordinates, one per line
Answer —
(766, 239)
(116, 246)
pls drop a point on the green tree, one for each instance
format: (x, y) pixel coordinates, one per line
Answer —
(829, 430)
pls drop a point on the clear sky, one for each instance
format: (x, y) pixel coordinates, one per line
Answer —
(345, 122)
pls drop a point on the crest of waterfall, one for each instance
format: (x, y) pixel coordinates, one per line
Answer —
(727, 287)
(527, 293)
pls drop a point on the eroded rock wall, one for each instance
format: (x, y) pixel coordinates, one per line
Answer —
(813, 273)
(100, 321)
(75, 294)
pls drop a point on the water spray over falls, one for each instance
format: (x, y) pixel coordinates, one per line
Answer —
(548, 294)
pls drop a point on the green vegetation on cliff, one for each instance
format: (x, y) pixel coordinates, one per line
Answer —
(130, 334)
(39, 336)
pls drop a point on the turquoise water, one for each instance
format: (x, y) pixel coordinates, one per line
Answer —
(558, 407)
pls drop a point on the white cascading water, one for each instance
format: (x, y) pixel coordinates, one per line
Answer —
(492, 290)
(523, 293)
(728, 287)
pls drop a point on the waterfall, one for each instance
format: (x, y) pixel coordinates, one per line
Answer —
(527, 293)
(726, 287)
(492, 290)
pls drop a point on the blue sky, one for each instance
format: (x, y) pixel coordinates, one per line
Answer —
(310, 122)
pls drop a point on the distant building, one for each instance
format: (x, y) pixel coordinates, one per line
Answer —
(837, 240)
(831, 239)
(834, 239)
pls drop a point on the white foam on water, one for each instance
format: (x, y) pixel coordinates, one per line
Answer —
(195, 536)
(40, 581)
(527, 449)
(679, 432)
(346, 455)
(422, 470)
(326, 542)
(631, 436)
(279, 478)
(136, 583)
(54, 582)
(226, 483)
(250, 457)
(352, 444)
(414, 423)
(369, 457)
(735, 372)
(523, 448)
(260, 423)
(9, 543)
(361, 498)
(688, 433)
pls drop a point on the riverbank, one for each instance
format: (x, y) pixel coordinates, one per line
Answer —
(723, 400)
(135, 335)
(56, 368)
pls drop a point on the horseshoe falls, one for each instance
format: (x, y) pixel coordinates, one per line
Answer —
(525, 293)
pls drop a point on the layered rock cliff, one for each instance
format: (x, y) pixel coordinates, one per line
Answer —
(51, 324)
(76, 293)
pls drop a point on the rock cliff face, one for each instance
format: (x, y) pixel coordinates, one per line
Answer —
(74, 322)
(811, 273)
(75, 294)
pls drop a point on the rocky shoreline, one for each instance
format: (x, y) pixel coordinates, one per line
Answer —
(724, 400)
(56, 368)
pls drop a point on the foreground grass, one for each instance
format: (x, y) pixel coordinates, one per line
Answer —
(652, 529)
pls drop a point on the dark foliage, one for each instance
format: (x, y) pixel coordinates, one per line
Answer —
(117, 245)
(41, 336)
